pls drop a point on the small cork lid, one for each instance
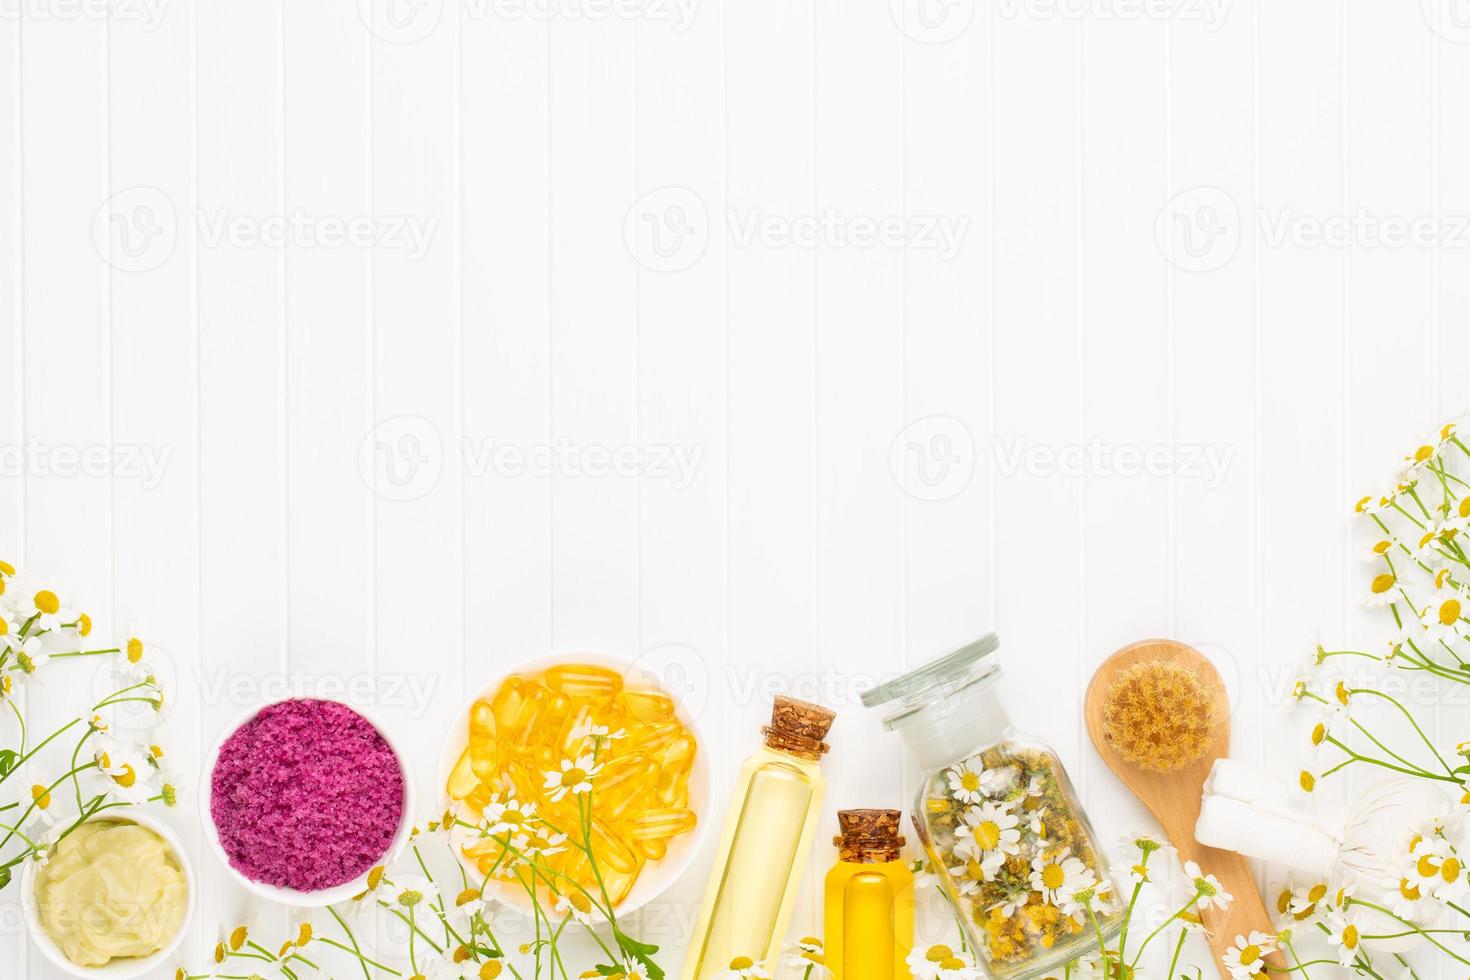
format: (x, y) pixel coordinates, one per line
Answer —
(799, 727)
(869, 836)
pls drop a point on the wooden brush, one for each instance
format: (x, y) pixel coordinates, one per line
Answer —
(1158, 714)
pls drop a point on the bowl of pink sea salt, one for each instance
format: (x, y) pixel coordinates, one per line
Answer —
(303, 798)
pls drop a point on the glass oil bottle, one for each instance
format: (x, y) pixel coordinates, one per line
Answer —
(869, 899)
(768, 833)
(999, 820)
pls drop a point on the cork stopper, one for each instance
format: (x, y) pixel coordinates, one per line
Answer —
(868, 836)
(798, 727)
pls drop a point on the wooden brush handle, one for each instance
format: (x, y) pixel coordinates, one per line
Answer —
(1247, 912)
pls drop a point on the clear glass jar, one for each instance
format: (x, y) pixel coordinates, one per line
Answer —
(999, 819)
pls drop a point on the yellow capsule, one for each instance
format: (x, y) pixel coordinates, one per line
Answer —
(611, 848)
(656, 737)
(631, 775)
(482, 739)
(673, 777)
(648, 706)
(584, 680)
(661, 824)
(533, 704)
(507, 703)
(462, 780)
(653, 850)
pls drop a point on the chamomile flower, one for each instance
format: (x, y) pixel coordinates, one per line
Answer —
(970, 781)
(409, 891)
(1344, 933)
(745, 968)
(28, 655)
(587, 730)
(541, 844)
(575, 777)
(1440, 618)
(507, 817)
(122, 770)
(940, 962)
(987, 829)
(1382, 591)
(1247, 955)
(44, 606)
(1329, 718)
(1300, 903)
(806, 953)
(1406, 896)
(1056, 877)
(575, 904)
(1211, 893)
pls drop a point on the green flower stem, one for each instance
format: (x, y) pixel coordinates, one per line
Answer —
(1441, 946)
(362, 960)
(1407, 714)
(1178, 947)
(1290, 948)
(47, 741)
(1198, 894)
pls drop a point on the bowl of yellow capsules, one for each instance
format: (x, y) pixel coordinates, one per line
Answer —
(114, 899)
(568, 749)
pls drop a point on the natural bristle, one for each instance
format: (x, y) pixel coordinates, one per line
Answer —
(1159, 715)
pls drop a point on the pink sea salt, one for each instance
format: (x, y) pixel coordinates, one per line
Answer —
(306, 795)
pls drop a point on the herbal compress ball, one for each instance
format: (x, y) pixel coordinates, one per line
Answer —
(1159, 715)
(306, 795)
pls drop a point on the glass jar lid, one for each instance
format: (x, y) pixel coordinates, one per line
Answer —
(961, 668)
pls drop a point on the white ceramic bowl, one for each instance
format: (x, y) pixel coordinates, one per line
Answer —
(120, 969)
(657, 876)
(290, 896)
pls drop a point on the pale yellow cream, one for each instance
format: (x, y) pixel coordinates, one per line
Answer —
(111, 890)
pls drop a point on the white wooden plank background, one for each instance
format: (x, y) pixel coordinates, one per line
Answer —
(605, 206)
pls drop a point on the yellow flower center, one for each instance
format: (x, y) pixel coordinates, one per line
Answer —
(952, 963)
(1283, 901)
(1427, 868)
(938, 954)
(573, 777)
(47, 602)
(1350, 936)
(1423, 453)
(1052, 876)
(84, 624)
(42, 796)
(987, 834)
(1250, 954)
(135, 650)
(1319, 733)
(490, 970)
(126, 778)
(4, 626)
(1409, 889)
(1382, 583)
(1307, 780)
(1465, 507)
(8, 569)
(513, 816)
(1317, 893)
(742, 963)
(1450, 870)
(1449, 612)
(1381, 548)
(1342, 692)
(970, 781)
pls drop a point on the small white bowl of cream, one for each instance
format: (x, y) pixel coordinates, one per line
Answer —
(115, 898)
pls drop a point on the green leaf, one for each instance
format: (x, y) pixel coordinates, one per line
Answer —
(8, 758)
(641, 952)
(4, 877)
